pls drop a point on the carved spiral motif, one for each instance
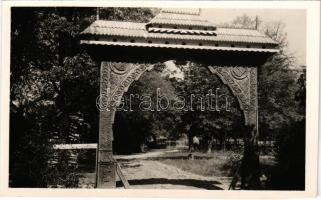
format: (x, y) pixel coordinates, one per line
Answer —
(120, 68)
(226, 76)
(239, 73)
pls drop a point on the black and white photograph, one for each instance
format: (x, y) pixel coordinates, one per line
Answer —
(159, 98)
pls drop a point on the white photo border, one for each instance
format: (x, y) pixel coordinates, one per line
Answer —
(312, 115)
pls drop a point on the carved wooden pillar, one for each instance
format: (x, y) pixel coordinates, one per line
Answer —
(250, 169)
(115, 78)
(243, 83)
(106, 168)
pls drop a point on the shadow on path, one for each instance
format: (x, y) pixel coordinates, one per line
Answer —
(204, 184)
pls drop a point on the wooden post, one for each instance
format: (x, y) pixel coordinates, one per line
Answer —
(250, 167)
(106, 166)
(243, 83)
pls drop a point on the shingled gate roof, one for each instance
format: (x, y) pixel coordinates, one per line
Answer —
(177, 29)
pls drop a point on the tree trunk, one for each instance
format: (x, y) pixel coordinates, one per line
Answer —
(210, 145)
(190, 146)
(190, 141)
(142, 147)
(224, 142)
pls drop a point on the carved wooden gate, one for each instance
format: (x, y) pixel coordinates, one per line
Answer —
(117, 77)
(234, 55)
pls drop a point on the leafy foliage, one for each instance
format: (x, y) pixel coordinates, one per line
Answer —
(128, 14)
(143, 121)
(282, 115)
(53, 87)
(205, 123)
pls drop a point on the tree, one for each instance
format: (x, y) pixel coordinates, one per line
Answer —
(139, 119)
(290, 173)
(128, 14)
(278, 109)
(281, 116)
(53, 82)
(245, 21)
(198, 82)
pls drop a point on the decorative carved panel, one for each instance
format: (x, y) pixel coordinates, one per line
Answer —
(115, 78)
(243, 83)
(105, 127)
(123, 80)
(106, 175)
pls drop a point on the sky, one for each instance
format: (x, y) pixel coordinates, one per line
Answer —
(294, 20)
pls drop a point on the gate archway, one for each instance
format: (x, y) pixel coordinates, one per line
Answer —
(126, 50)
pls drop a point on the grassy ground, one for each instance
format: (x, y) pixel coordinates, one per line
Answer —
(159, 170)
(218, 163)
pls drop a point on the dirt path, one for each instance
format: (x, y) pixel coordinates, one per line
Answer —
(151, 154)
(144, 173)
(151, 174)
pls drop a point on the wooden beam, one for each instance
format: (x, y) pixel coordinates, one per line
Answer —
(122, 177)
(75, 146)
